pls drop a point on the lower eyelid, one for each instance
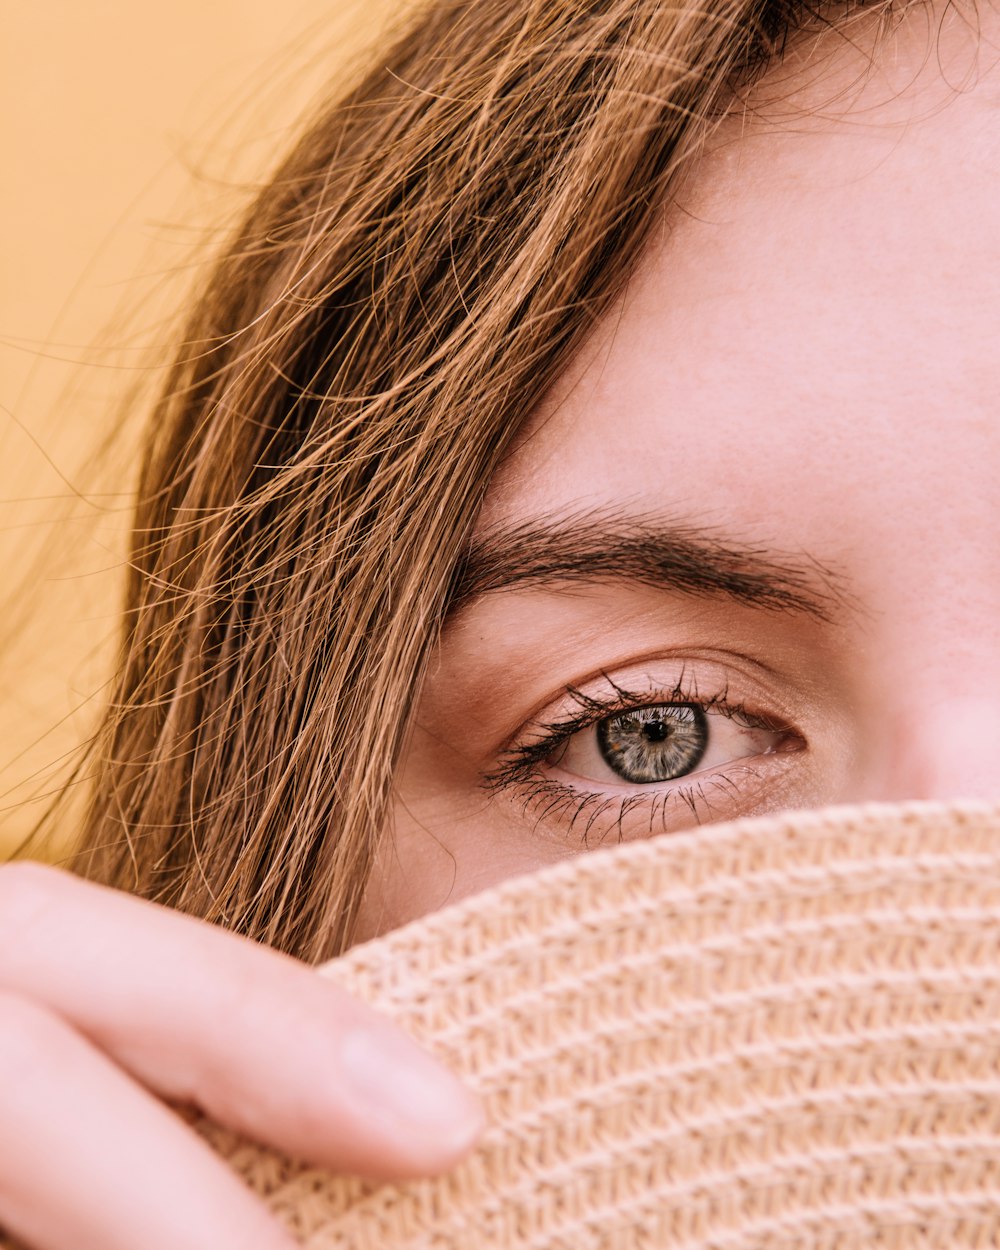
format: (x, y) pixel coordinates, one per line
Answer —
(748, 787)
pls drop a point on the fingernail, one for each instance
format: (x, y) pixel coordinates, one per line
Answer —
(400, 1083)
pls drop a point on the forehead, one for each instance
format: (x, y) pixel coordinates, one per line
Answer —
(817, 320)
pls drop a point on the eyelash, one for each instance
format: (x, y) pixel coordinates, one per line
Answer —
(519, 766)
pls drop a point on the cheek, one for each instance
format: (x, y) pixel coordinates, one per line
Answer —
(444, 839)
(439, 850)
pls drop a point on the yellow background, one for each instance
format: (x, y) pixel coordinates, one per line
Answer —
(130, 133)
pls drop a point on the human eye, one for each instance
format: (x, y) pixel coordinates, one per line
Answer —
(651, 756)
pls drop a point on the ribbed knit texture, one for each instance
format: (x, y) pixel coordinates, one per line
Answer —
(776, 1033)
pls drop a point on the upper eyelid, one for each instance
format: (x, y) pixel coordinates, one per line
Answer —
(748, 668)
(624, 700)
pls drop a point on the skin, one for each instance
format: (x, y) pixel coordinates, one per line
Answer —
(803, 362)
(806, 361)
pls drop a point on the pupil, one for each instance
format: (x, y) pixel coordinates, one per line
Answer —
(655, 730)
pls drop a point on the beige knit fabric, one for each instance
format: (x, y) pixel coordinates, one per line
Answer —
(775, 1033)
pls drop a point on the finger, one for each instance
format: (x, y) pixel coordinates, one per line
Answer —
(90, 1161)
(257, 1040)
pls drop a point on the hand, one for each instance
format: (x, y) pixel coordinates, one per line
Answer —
(107, 1001)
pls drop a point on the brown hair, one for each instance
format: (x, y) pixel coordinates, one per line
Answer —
(395, 302)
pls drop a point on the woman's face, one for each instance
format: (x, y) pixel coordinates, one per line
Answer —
(750, 541)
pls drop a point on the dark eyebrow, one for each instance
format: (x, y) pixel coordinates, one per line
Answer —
(597, 546)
